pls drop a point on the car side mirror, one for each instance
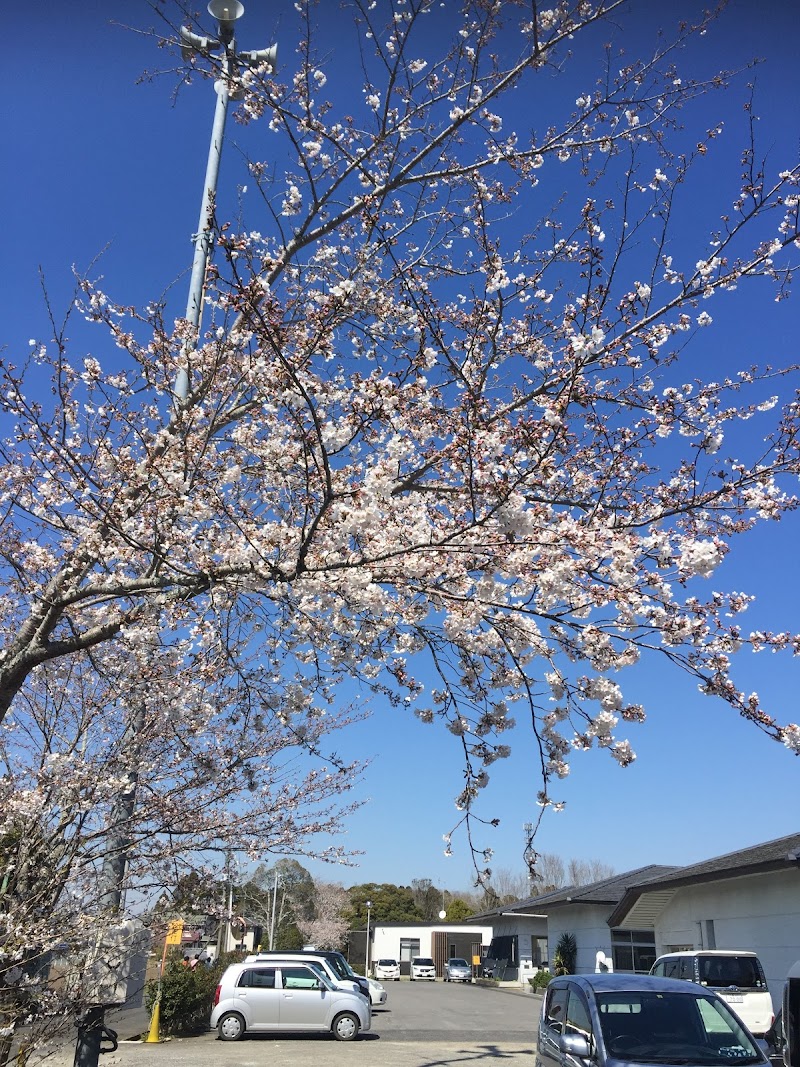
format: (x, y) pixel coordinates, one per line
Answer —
(575, 1045)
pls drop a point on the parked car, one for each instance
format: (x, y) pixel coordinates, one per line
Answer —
(618, 1019)
(320, 958)
(457, 970)
(387, 970)
(737, 976)
(377, 994)
(423, 968)
(259, 996)
(335, 960)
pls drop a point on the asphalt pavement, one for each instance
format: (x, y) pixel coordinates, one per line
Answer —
(422, 1025)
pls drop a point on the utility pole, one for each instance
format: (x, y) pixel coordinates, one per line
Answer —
(92, 1031)
(274, 911)
(223, 931)
(91, 1024)
(226, 12)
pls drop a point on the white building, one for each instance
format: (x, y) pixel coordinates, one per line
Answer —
(402, 941)
(748, 899)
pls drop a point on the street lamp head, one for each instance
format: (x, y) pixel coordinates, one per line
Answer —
(226, 12)
(442, 914)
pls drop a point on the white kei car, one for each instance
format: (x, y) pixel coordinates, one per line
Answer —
(387, 970)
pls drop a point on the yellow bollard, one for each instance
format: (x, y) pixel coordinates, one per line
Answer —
(153, 1037)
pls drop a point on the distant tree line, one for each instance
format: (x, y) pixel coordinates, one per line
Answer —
(290, 908)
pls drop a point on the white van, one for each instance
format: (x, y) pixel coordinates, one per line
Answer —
(736, 976)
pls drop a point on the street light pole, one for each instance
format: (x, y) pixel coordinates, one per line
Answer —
(226, 12)
(366, 953)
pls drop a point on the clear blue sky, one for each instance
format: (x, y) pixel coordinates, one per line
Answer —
(94, 161)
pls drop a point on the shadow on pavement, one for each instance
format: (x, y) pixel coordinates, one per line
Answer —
(477, 1054)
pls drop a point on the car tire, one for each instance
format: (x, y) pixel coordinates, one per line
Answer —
(345, 1026)
(231, 1027)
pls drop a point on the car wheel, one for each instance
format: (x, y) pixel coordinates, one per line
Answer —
(231, 1026)
(345, 1027)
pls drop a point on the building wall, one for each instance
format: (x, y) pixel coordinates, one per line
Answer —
(588, 923)
(760, 913)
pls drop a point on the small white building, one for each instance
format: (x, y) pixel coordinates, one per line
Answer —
(402, 941)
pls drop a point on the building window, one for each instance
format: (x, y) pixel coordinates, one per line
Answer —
(633, 950)
(539, 956)
(409, 947)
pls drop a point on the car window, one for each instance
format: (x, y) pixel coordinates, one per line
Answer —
(720, 971)
(459, 963)
(299, 978)
(555, 1010)
(322, 974)
(579, 1021)
(258, 978)
(338, 966)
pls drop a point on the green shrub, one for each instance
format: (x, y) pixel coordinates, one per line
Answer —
(540, 980)
(187, 996)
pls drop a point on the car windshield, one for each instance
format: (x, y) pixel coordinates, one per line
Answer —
(387, 963)
(744, 972)
(423, 961)
(341, 966)
(677, 1028)
(458, 963)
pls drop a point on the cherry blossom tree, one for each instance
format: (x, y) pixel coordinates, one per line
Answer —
(129, 770)
(327, 928)
(444, 437)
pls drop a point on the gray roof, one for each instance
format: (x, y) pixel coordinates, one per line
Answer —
(606, 891)
(775, 855)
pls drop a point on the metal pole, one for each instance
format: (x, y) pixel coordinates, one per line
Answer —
(366, 953)
(202, 241)
(274, 910)
(230, 914)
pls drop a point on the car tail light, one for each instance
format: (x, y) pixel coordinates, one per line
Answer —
(216, 995)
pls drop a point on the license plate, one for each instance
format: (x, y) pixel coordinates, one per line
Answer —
(732, 998)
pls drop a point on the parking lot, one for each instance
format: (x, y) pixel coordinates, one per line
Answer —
(422, 1025)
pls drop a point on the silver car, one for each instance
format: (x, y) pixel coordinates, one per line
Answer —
(457, 970)
(616, 1020)
(263, 996)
